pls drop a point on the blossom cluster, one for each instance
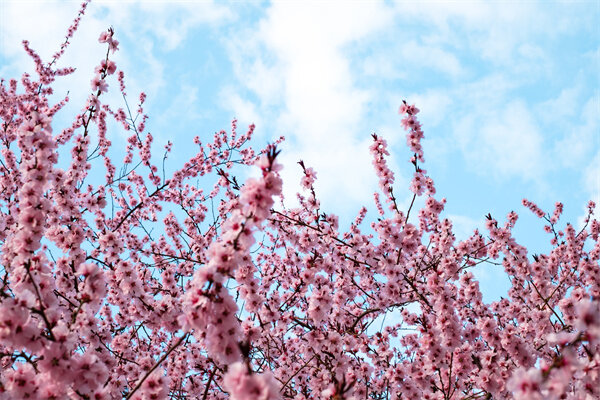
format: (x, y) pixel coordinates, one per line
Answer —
(384, 173)
(574, 369)
(413, 126)
(209, 309)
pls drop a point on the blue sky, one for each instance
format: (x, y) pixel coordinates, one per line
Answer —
(509, 91)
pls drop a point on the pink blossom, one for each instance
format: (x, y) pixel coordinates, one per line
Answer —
(105, 37)
(98, 84)
(309, 178)
(242, 384)
(526, 384)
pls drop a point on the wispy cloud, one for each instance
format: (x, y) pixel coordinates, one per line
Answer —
(578, 140)
(296, 66)
(592, 179)
(505, 144)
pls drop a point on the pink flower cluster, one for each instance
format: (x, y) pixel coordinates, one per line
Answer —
(386, 176)
(413, 126)
(209, 308)
(567, 375)
(242, 384)
(106, 67)
(309, 178)
(108, 37)
(534, 208)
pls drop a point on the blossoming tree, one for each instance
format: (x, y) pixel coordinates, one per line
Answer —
(95, 305)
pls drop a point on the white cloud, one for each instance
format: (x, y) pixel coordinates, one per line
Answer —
(496, 31)
(434, 106)
(394, 60)
(341, 185)
(244, 110)
(591, 186)
(296, 66)
(579, 139)
(563, 106)
(381, 65)
(429, 56)
(167, 22)
(591, 179)
(471, 13)
(503, 144)
(464, 226)
(44, 24)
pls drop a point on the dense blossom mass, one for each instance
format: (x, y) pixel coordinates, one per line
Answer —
(140, 285)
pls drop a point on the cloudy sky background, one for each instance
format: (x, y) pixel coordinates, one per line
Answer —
(509, 91)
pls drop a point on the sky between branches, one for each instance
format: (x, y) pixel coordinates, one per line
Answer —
(509, 91)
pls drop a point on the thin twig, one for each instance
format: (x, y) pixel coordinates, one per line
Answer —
(163, 358)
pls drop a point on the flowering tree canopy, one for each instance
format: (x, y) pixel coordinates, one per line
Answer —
(237, 297)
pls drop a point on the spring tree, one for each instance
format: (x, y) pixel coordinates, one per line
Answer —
(252, 300)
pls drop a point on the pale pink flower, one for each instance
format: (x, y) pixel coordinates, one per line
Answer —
(242, 384)
(309, 178)
(99, 84)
